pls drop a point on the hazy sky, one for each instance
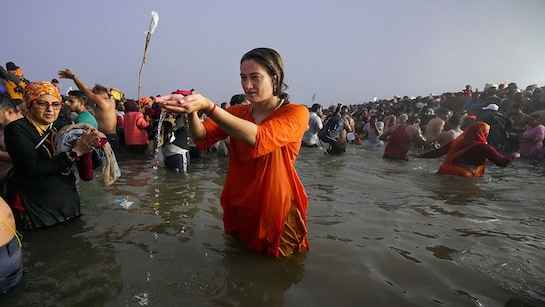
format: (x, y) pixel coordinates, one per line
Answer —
(342, 50)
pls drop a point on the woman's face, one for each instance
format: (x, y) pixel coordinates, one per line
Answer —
(45, 110)
(256, 82)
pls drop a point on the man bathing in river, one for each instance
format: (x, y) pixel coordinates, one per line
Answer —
(106, 114)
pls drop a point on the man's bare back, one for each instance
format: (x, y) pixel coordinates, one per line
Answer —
(106, 116)
(434, 129)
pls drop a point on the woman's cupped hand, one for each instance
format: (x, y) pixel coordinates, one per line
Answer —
(177, 103)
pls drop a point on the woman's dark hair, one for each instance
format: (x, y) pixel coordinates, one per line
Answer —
(99, 89)
(272, 62)
(237, 99)
(131, 106)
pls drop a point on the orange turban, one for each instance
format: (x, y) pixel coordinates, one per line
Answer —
(35, 90)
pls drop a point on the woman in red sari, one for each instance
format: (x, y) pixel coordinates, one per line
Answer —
(264, 202)
(468, 153)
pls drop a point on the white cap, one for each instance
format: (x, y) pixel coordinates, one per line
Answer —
(492, 106)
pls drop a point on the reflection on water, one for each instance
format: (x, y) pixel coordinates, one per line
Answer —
(382, 233)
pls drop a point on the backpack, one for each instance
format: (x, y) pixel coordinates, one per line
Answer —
(330, 131)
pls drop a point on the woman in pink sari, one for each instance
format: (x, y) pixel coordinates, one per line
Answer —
(531, 142)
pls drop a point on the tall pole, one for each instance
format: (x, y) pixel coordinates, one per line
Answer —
(151, 29)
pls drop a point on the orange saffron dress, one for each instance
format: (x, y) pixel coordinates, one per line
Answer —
(264, 202)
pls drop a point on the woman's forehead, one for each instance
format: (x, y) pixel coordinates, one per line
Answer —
(250, 66)
(48, 98)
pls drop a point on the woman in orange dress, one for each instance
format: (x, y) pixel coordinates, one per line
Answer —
(468, 153)
(264, 202)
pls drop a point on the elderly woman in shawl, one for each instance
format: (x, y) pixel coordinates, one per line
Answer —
(41, 187)
(468, 153)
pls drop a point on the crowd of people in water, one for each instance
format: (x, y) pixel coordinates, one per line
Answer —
(50, 142)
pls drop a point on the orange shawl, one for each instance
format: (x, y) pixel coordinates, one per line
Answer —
(475, 134)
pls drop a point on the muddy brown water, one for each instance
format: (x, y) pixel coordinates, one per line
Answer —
(382, 233)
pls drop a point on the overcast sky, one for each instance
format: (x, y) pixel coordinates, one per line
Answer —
(345, 51)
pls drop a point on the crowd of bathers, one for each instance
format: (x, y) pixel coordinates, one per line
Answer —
(65, 138)
(404, 125)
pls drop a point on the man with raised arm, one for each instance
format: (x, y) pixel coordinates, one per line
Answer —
(105, 106)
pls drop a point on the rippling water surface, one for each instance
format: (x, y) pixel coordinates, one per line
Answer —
(382, 233)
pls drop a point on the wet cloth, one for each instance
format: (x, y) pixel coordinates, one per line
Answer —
(110, 168)
(531, 143)
(11, 265)
(67, 137)
(293, 236)
(262, 184)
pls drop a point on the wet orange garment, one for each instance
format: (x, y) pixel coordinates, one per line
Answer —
(474, 135)
(262, 186)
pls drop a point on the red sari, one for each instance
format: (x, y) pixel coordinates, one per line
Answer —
(468, 153)
(473, 136)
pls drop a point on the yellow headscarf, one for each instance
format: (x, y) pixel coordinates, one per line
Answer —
(34, 91)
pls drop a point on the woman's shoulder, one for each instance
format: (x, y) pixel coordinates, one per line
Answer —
(16, 125)
(298, 108)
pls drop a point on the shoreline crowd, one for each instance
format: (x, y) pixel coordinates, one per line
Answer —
(50, 142)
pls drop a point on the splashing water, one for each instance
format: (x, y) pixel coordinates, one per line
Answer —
(158, 139)
(158, 142)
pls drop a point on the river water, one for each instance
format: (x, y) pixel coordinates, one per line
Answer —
(382, 233)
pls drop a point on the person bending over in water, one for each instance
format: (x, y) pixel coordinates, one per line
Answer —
(263, 200)
(106, 113)
(468, 153)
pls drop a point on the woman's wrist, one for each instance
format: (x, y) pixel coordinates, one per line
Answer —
(210, 109)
